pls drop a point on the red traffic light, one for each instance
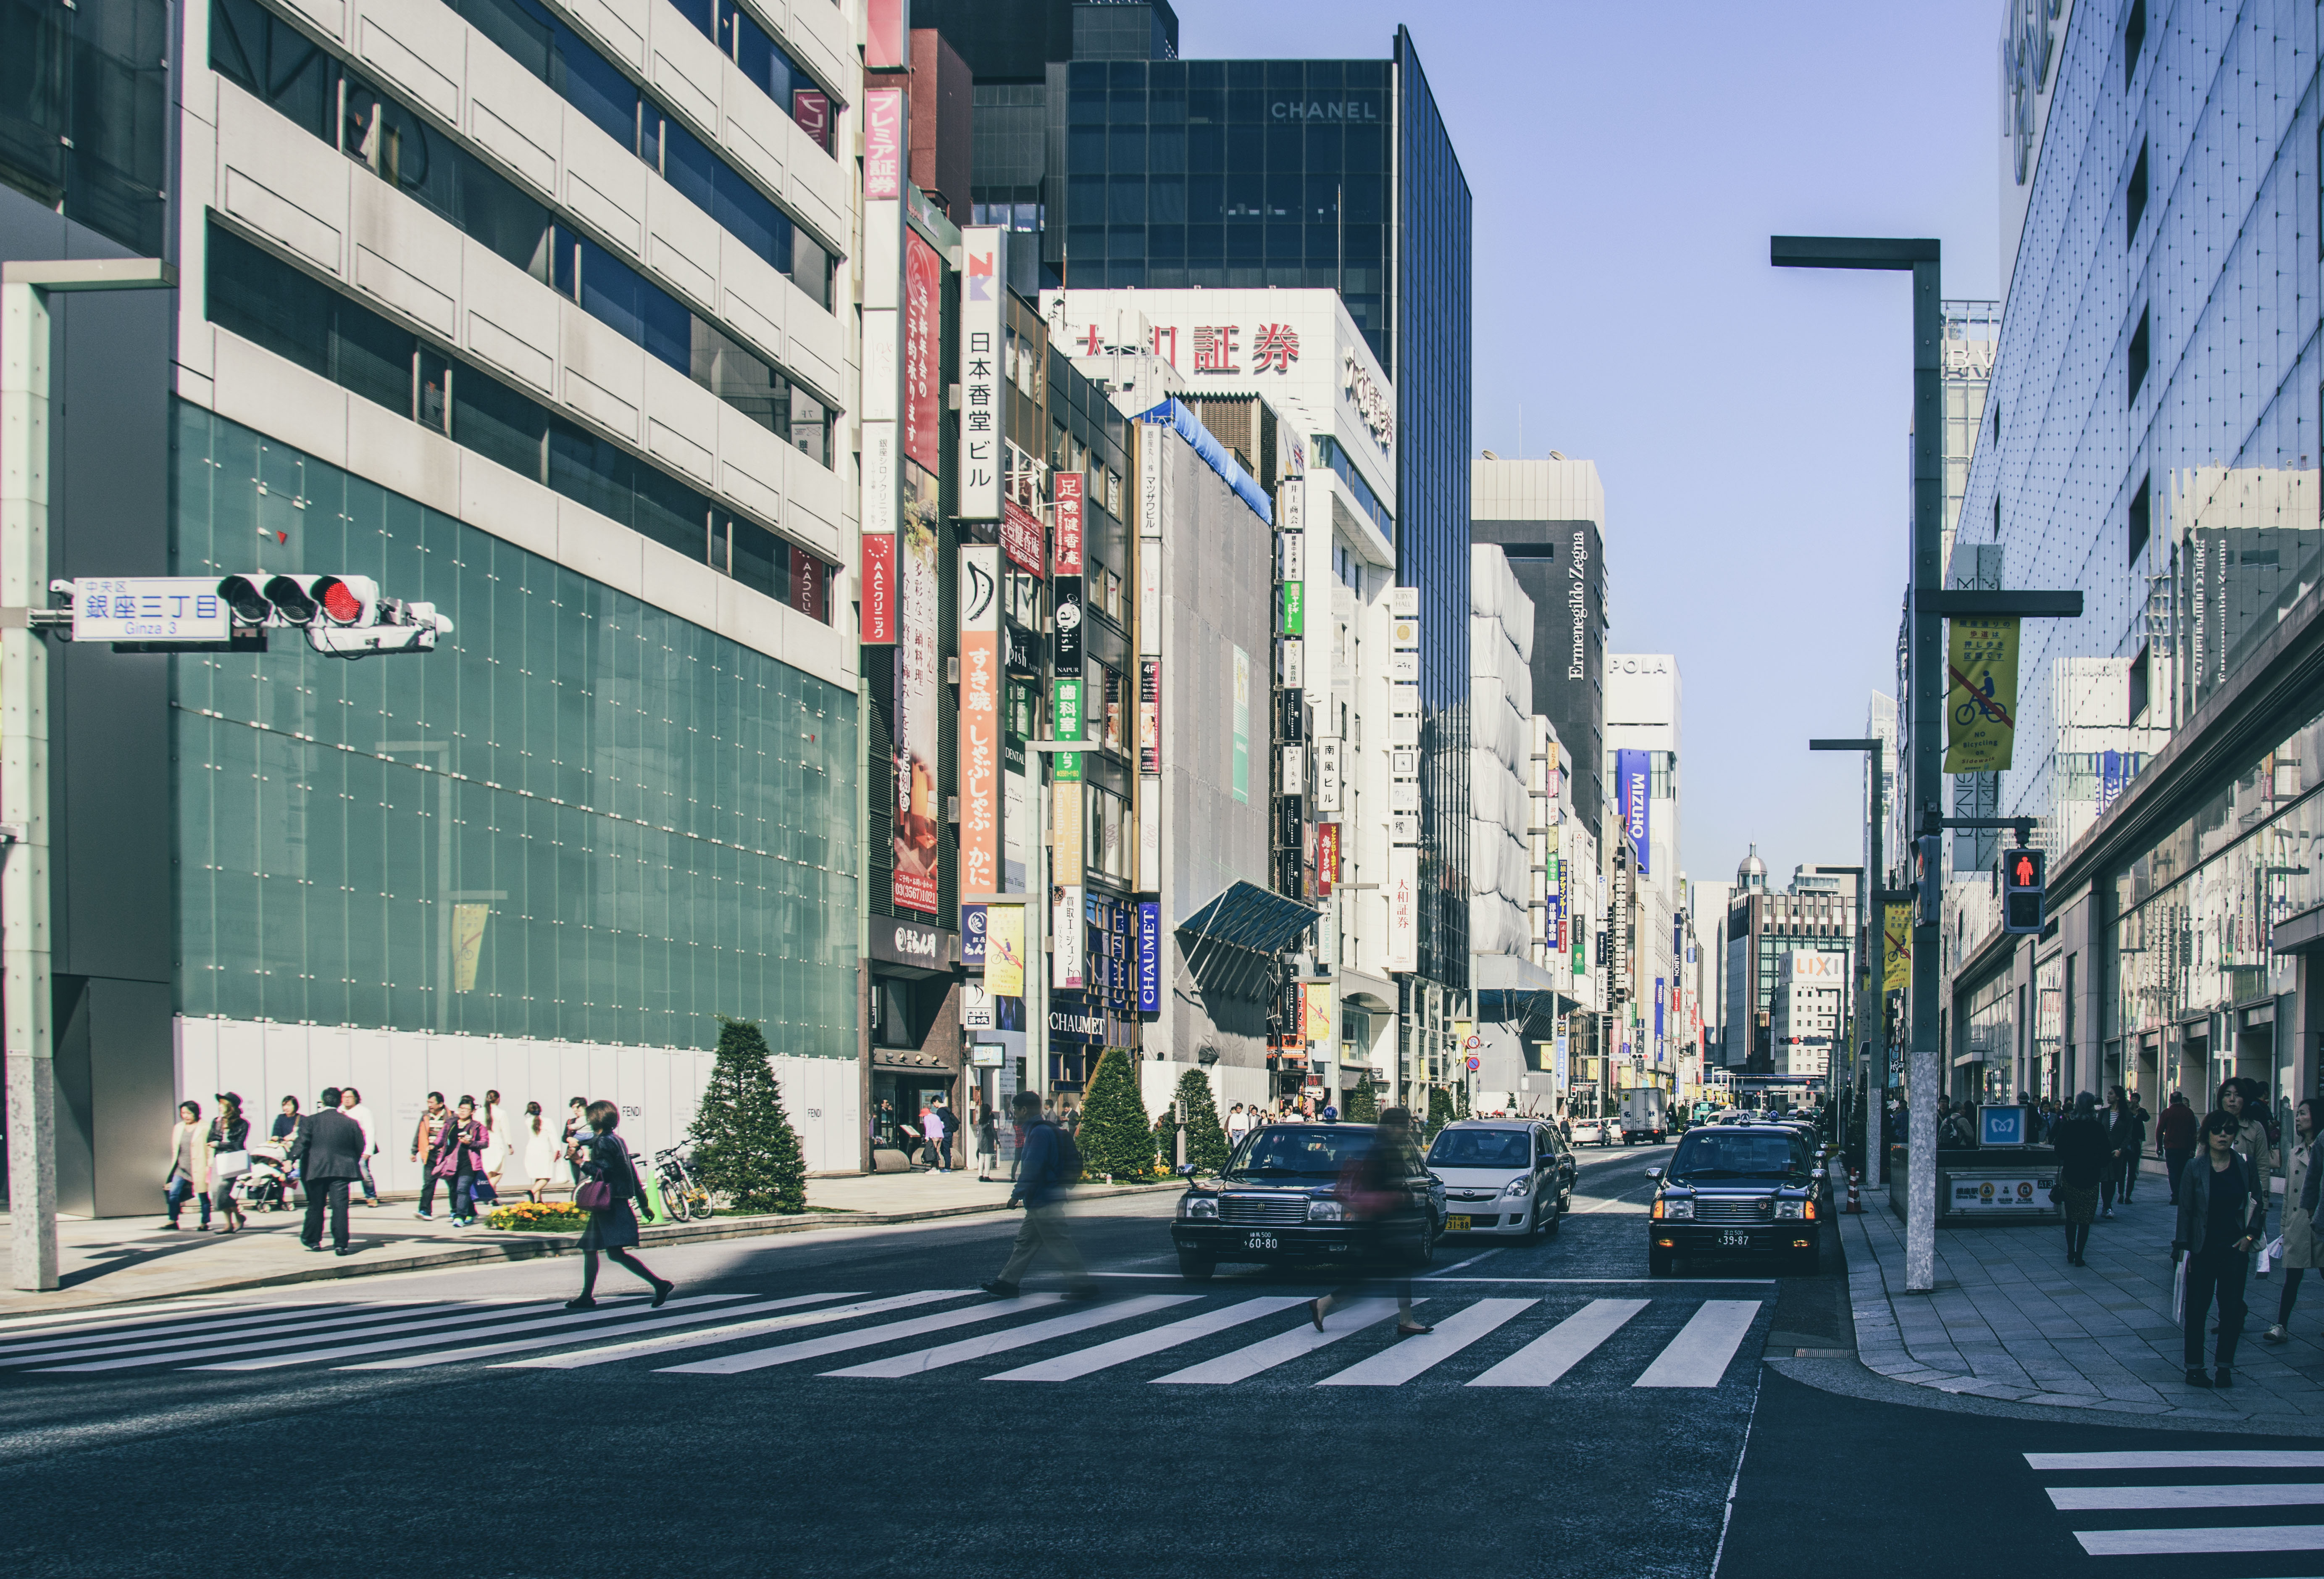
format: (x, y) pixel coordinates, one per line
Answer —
(2021, 870)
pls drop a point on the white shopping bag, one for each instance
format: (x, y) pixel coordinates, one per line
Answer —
(2270, 1253)
(2179, 1293)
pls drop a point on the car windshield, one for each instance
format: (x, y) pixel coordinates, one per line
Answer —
(1732, 1154)
(1298, 1151)
(1481, 1149)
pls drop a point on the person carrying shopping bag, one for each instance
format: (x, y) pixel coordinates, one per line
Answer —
(609, 1184)
(2222, 1210)
(459, 1146)
(229, 1140)
(2301, 1175)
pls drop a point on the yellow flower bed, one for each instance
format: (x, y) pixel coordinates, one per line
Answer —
(539, 1217)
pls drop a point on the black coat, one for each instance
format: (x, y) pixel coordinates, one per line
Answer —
(328, 1145)
(2083, 1151)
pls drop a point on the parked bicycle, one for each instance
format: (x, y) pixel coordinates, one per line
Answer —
(681, 1197)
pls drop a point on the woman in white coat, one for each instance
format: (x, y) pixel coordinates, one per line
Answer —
(2303, 1173)
(544, 1153)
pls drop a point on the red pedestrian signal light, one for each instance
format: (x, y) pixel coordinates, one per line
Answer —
(2023, 875)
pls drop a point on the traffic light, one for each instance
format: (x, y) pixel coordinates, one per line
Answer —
(344, 617)
(2022, 873)
(1928, 879)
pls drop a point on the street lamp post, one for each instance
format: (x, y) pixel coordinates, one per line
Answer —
(1875, 1076)
(25, 353)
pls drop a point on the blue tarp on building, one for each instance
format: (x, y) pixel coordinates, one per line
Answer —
(1173, 413)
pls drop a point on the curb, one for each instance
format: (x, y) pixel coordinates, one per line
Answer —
(1880, 1348)
(527, 1247)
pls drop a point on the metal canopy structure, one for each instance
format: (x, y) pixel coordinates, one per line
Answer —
(1232, 942)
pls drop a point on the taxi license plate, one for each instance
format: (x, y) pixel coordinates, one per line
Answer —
(1734, 1238)
(1457, 1223)
(1259, 1242)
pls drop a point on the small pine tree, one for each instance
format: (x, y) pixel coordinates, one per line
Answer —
(1166, 1141)
(1363, 1106)
(744, 1147)
(1461, 1101)
(1440, 1108)
(1115, 1139)
(1206, 1138)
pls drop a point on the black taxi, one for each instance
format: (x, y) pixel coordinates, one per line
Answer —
(1278, 1201)
(1738, 1189)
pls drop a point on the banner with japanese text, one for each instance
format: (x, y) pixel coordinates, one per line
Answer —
(978, 739)
(919, 794)
(984, 273)
(1004, 951)
(1981, 698)
(1896, 948)
(923, 344)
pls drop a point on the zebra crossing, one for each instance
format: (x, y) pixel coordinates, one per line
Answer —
(2187, 1504)
(1200, 1340)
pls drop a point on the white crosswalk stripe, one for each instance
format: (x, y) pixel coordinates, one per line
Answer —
(1269, 1352)
(1153, 1341)
(644, 1322)
(989, 1343)
(1396, 1366)
(273, 1324)
(2126, 1495)
(1550, 1356)
(1697, 1356)
(563, 1321)
(725, 1332)
(863, 1338)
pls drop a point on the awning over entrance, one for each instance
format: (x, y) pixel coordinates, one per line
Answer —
(1232, 942)
(2302, 933)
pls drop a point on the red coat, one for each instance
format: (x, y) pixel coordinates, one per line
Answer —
(2176, 1128)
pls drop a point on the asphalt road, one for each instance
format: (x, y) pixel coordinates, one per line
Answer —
(1571, 1416)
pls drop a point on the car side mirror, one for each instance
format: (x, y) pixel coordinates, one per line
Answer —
(1655, 1173)
(1819, 1173)
(1186, 1170)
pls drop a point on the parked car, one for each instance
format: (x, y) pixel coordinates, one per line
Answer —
(1276, 1201)
(1738, 1189)
(1511, 1177)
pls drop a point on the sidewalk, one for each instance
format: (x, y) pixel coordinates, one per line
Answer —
(2010, 1320)
(107, 1260)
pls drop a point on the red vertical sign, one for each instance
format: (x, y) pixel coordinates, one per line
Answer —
(886, 45)
(1068, 485)
(923, 282)
(811, 108)
(807, 583)
(879, 589)
(883, 142)
(1327, 858)
(1149, 717)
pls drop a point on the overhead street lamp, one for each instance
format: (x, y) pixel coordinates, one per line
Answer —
(1875, 1078)
(25, 353)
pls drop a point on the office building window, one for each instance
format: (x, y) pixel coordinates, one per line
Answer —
(84, 113)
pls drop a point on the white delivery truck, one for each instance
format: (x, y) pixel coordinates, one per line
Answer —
(1643, 1109)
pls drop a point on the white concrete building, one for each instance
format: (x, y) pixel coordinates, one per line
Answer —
(1811, 1000)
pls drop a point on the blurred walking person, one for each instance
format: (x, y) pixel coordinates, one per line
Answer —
(329, 1150)
(988, 1145)
(609, 1184)
(1048, 1165)
(2080, 1143)
(939, 1140)
(2222, 1212)
(2301, 1175)
(190, 1164)
(1370, 1187)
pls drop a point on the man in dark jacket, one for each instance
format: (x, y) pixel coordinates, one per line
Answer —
(328, 1149)
(2127, 1133)
(1046, 1167)
(2175, 1137)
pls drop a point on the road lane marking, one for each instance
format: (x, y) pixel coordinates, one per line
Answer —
(1138, 1345)
(2241, 1538)
(174, 1335)
(343, 1351)
(1699, 1355)
(861, 1338)
(1393, 1367)
(2213, 1458)
(1563, 1346)
(1456, 1266)
(989, 1343)
(725, 1332)
(647, 1322)
(1269, 1352)
(2141, 1499)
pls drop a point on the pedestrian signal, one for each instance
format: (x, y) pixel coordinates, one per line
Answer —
(2022, 873)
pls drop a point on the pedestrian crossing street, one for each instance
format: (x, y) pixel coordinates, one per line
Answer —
(1177, 1340)
(2209, 1502)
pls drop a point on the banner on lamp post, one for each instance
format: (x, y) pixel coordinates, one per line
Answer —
(1981, 695)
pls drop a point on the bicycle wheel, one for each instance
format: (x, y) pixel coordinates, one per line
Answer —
(699, 1203)
(673, 1204)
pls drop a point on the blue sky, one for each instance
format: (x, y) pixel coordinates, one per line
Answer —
(1628, 163)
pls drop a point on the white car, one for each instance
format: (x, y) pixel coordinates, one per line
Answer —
(1590, 1132)
(1502, 1175)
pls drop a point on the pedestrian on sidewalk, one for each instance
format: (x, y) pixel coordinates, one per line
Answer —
(2301, 1175)
(494, 1118)
(604, 1160)
(2174, 1140)
(329, 1153)
(229, 1133)
(2080, 1143)
(351, 1102)
(1048, 1165)
(190, 1164)
(2222, 1213)
(939, 1132)
(988, 1145)
(2243, 1099)
(459, 1148)
(1370, 1190)
(2125, 1138)
(2139, 1120)
(284, 1131)
(432, 1120)
(541, 1152)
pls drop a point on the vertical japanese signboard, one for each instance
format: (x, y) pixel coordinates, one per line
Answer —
(919, 797)
(1149, 717)
(1067, 597)
(1327, 858)
(1633, 792)
(1240, 752)
(1318, 1028)
(984, 271)
(979, 730)
(1066, 931)
(923, 309)
(1981, 705)
(883, 142)
(1149, 957)
(1403, 908)
(1004, 951)
(879, 588)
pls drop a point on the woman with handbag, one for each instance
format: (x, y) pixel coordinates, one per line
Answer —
(229, 1145)
(460, 1145)
(609, 1183)
(2222, 1212)
(1371, 1188)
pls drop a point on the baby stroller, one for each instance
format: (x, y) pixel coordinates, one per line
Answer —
(266, 1188)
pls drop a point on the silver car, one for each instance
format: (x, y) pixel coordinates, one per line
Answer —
(1511, 1177)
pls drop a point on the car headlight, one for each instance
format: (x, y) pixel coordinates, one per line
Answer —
(1198, 1206)
(1326, 1212)
(1522, 1186)
(1791, 1211)
(1674, 1208)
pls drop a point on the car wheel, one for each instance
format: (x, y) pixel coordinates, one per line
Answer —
(1556, 1220)
(1196, 1267)
(1424, 1253)
(1658, 1262)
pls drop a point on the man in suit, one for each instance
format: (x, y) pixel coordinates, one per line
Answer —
(328, 1149)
